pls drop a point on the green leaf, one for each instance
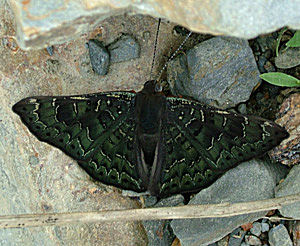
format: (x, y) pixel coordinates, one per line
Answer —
(279, 39)
(280, 79)
(295, 40)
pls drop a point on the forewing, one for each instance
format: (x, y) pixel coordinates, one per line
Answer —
(203, 142)
(97, 130)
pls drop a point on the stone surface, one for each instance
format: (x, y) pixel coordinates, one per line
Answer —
(236, 237)
(290, 186)
(265, 227)
(256, 229)
(159, 231)
(288, 58)
(253, 180)
(42, 22)
(252, 240)
(220, 72)
(99, 57)
(279, 236)
(124, 49)
(289, 116)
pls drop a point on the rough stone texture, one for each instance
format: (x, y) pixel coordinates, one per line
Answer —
(265, 227)
(279, 236)
(256, 229)
(44, 22)
(124, 49)
(253, 180)
(288, 58)
(290, 186)
(236, 237)
(220, 72)
(159, 231)
(252, 240)
(289, 116)
(99, 57)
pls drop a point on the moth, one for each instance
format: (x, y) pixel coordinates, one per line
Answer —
(146, 141)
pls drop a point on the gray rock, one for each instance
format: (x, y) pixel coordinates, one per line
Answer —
(223, 241)
(99, 57)
(124, 49)
(265, 227)
(55, 21)
(253, 180)
(290, 186)
(159, 231)
(256, 229)
(279, 236)
(236, 237)
(220, 72)
(244, 244)
(50, 50)
(288, 58)
(242, 108)
(252, 240)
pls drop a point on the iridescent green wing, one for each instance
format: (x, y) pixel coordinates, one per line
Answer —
(202, 143)
(97, 130)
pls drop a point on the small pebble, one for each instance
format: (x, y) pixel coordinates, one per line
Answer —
(99, 57)
(265, 227)
(279, 236)
(244, 244)
(50, 50)
(256, 229)
(236, 237)
(261, 64)
(124, 49)
(242, 108)
(269, 67)
(252, 240)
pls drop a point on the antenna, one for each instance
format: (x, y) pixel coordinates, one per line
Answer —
(155, 44)
(173, 55)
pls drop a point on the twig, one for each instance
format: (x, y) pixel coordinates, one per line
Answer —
(181, 212)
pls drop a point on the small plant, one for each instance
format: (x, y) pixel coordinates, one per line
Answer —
(282, 79)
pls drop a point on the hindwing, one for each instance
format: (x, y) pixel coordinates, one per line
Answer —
(201, 143)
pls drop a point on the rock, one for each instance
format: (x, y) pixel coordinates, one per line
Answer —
(267, 42)
(50, 50)
(290, 186)
(294, 227)
(206, 76)
(99, 57)
(124, 49)
(269, 67)
(265, 227)
(242, 108)
(236, 237)
(289, 116)
(159, 231)
(262, 60)
(252, 240)
(253, 180)
(256, 229)
(279, 236)
(223, 241)
(288, 58)
(57, 21)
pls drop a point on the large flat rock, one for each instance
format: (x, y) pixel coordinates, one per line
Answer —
(44, 22)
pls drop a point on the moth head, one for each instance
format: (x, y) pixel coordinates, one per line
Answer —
(152, 87)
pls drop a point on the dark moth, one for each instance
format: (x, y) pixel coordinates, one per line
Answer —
(146, 141)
